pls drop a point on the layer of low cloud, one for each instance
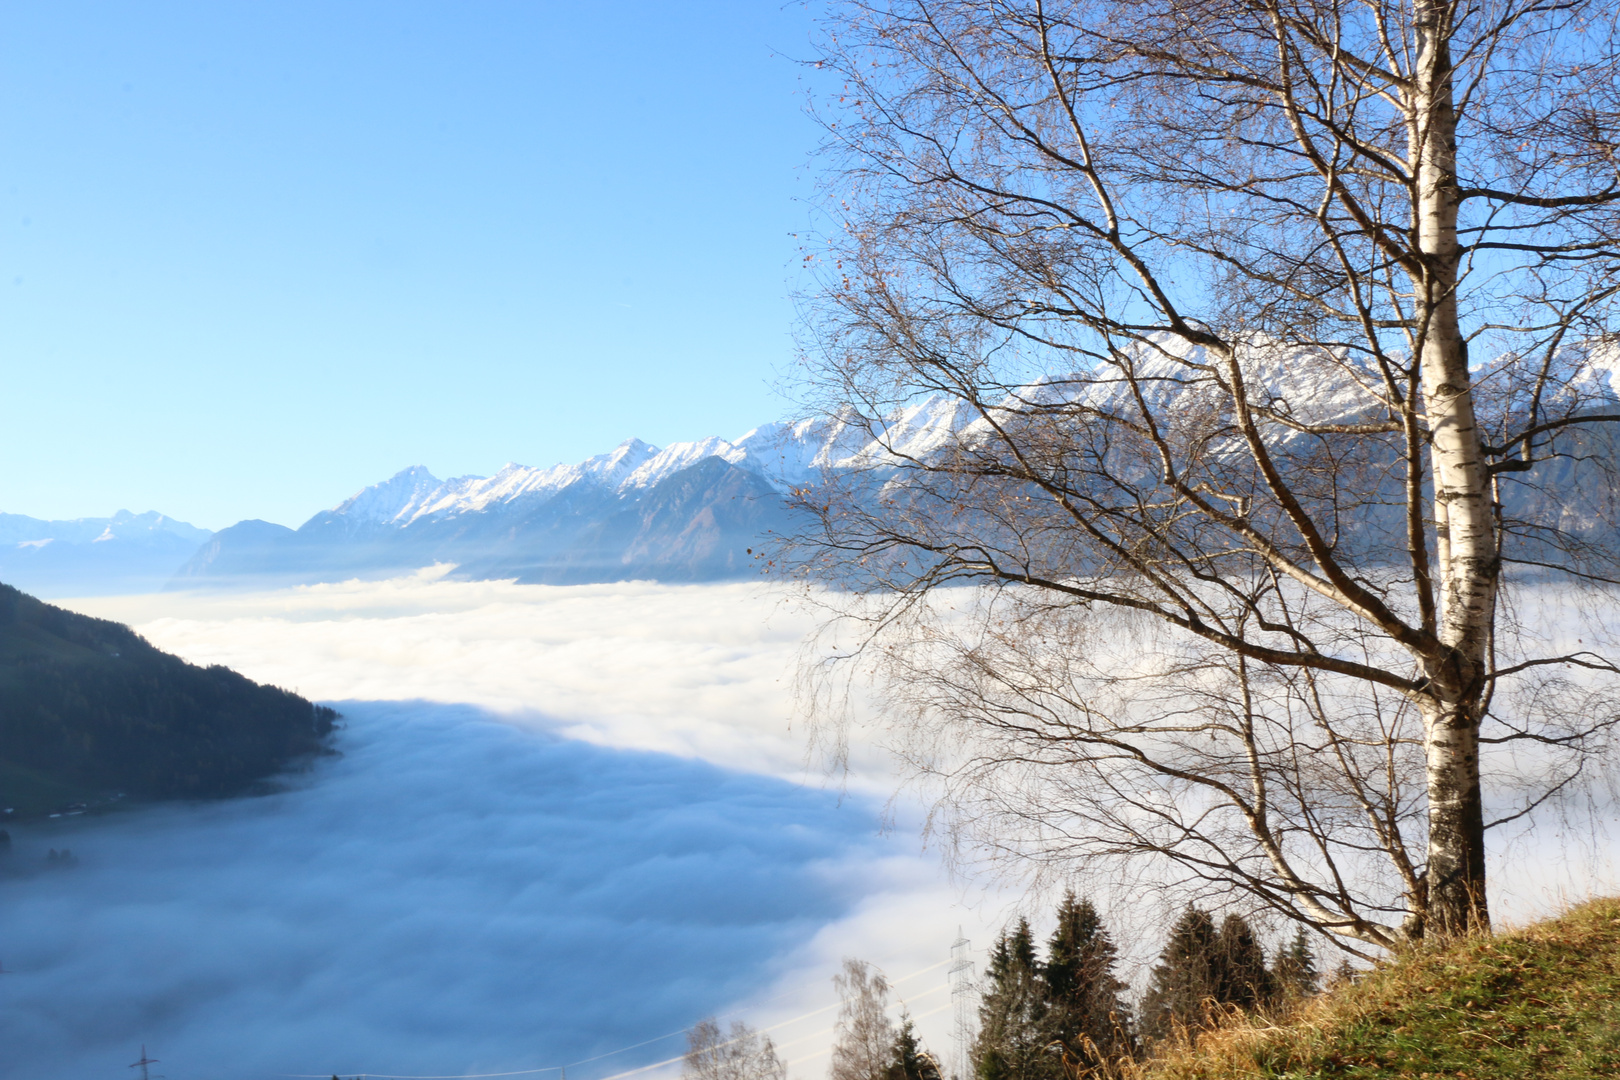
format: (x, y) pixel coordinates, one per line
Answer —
(564, 821)
(567, 819)
(697, 671)
(451, 894)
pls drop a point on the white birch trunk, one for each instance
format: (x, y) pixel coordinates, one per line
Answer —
(1466, 546)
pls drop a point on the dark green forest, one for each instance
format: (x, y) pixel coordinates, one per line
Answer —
(90, 712)
(1065, 1015)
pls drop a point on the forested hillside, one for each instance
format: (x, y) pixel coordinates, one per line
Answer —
(89, 710)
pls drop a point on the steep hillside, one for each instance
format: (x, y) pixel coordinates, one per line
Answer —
(1540, 1002)
(88, 709)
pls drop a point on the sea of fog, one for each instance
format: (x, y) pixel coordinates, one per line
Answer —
(563, 824)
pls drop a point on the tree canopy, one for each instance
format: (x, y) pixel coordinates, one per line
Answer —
(1244, 378)
(1044, 1019)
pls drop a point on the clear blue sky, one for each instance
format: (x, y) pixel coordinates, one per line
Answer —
(254, 256)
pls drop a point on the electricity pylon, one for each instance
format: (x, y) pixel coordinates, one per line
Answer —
(145, 1065)
(961, 972)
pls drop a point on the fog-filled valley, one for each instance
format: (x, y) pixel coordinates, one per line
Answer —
(562, 821)
(453, 894)
(848, 540)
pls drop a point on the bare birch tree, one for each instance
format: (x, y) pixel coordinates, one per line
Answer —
(744, 1054)
(863, 1046)
(1252, 362)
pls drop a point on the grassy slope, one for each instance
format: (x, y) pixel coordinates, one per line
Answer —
(1544, 1001)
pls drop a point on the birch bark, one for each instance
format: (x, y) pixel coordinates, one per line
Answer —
(1243, 255)
(1464, 523)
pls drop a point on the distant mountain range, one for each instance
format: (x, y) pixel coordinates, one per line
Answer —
(687, 512)
(691, 511)
(126, 553)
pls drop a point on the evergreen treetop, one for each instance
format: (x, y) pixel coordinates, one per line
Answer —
(1050, 1020)
(1185, 977)
(910, 1061)
(1085, 1013)
(1294, 970)
(1010, 1045)
(1242, 978)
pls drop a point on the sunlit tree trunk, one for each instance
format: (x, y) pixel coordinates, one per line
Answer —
(1465, 526)
(1205, 275)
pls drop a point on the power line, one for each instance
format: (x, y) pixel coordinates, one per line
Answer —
(828, 1050)
(622, 1049)
(830, 1030)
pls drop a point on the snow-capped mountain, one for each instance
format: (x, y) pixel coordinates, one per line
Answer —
(123, 553)
(687, 511)
(783, 455)
(684, 512)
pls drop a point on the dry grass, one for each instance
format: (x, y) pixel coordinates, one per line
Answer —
(1538, 1002)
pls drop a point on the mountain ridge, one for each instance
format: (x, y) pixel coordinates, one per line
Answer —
(126, 552)
(690, 511)
(91, 711)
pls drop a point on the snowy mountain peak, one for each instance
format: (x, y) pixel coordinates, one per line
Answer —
(615, 466)
(785, 455)
(673, 458)
(18, 529)
(391, 502)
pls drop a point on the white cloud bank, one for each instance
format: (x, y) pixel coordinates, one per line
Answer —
(452, 894)
(566, 820)
(504, 871)
(696, 671)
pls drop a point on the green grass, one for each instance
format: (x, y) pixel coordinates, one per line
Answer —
(1538, 1002)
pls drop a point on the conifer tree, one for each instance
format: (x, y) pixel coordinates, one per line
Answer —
(910, 1061)
(1241, 976)
(1010, 1044)
(1084, 1010)
(1343, 975)
(1185, 977)
(1294, 969)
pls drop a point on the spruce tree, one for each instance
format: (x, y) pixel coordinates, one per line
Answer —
(1294, 969)
(1084, 1011)
(910, 1061)
(1241, 977)
(1010, 1044)
(1185, 978)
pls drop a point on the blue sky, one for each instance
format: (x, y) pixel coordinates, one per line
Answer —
(256, 256)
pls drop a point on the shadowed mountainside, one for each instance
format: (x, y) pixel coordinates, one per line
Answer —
(89, 710)
(695, 524)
